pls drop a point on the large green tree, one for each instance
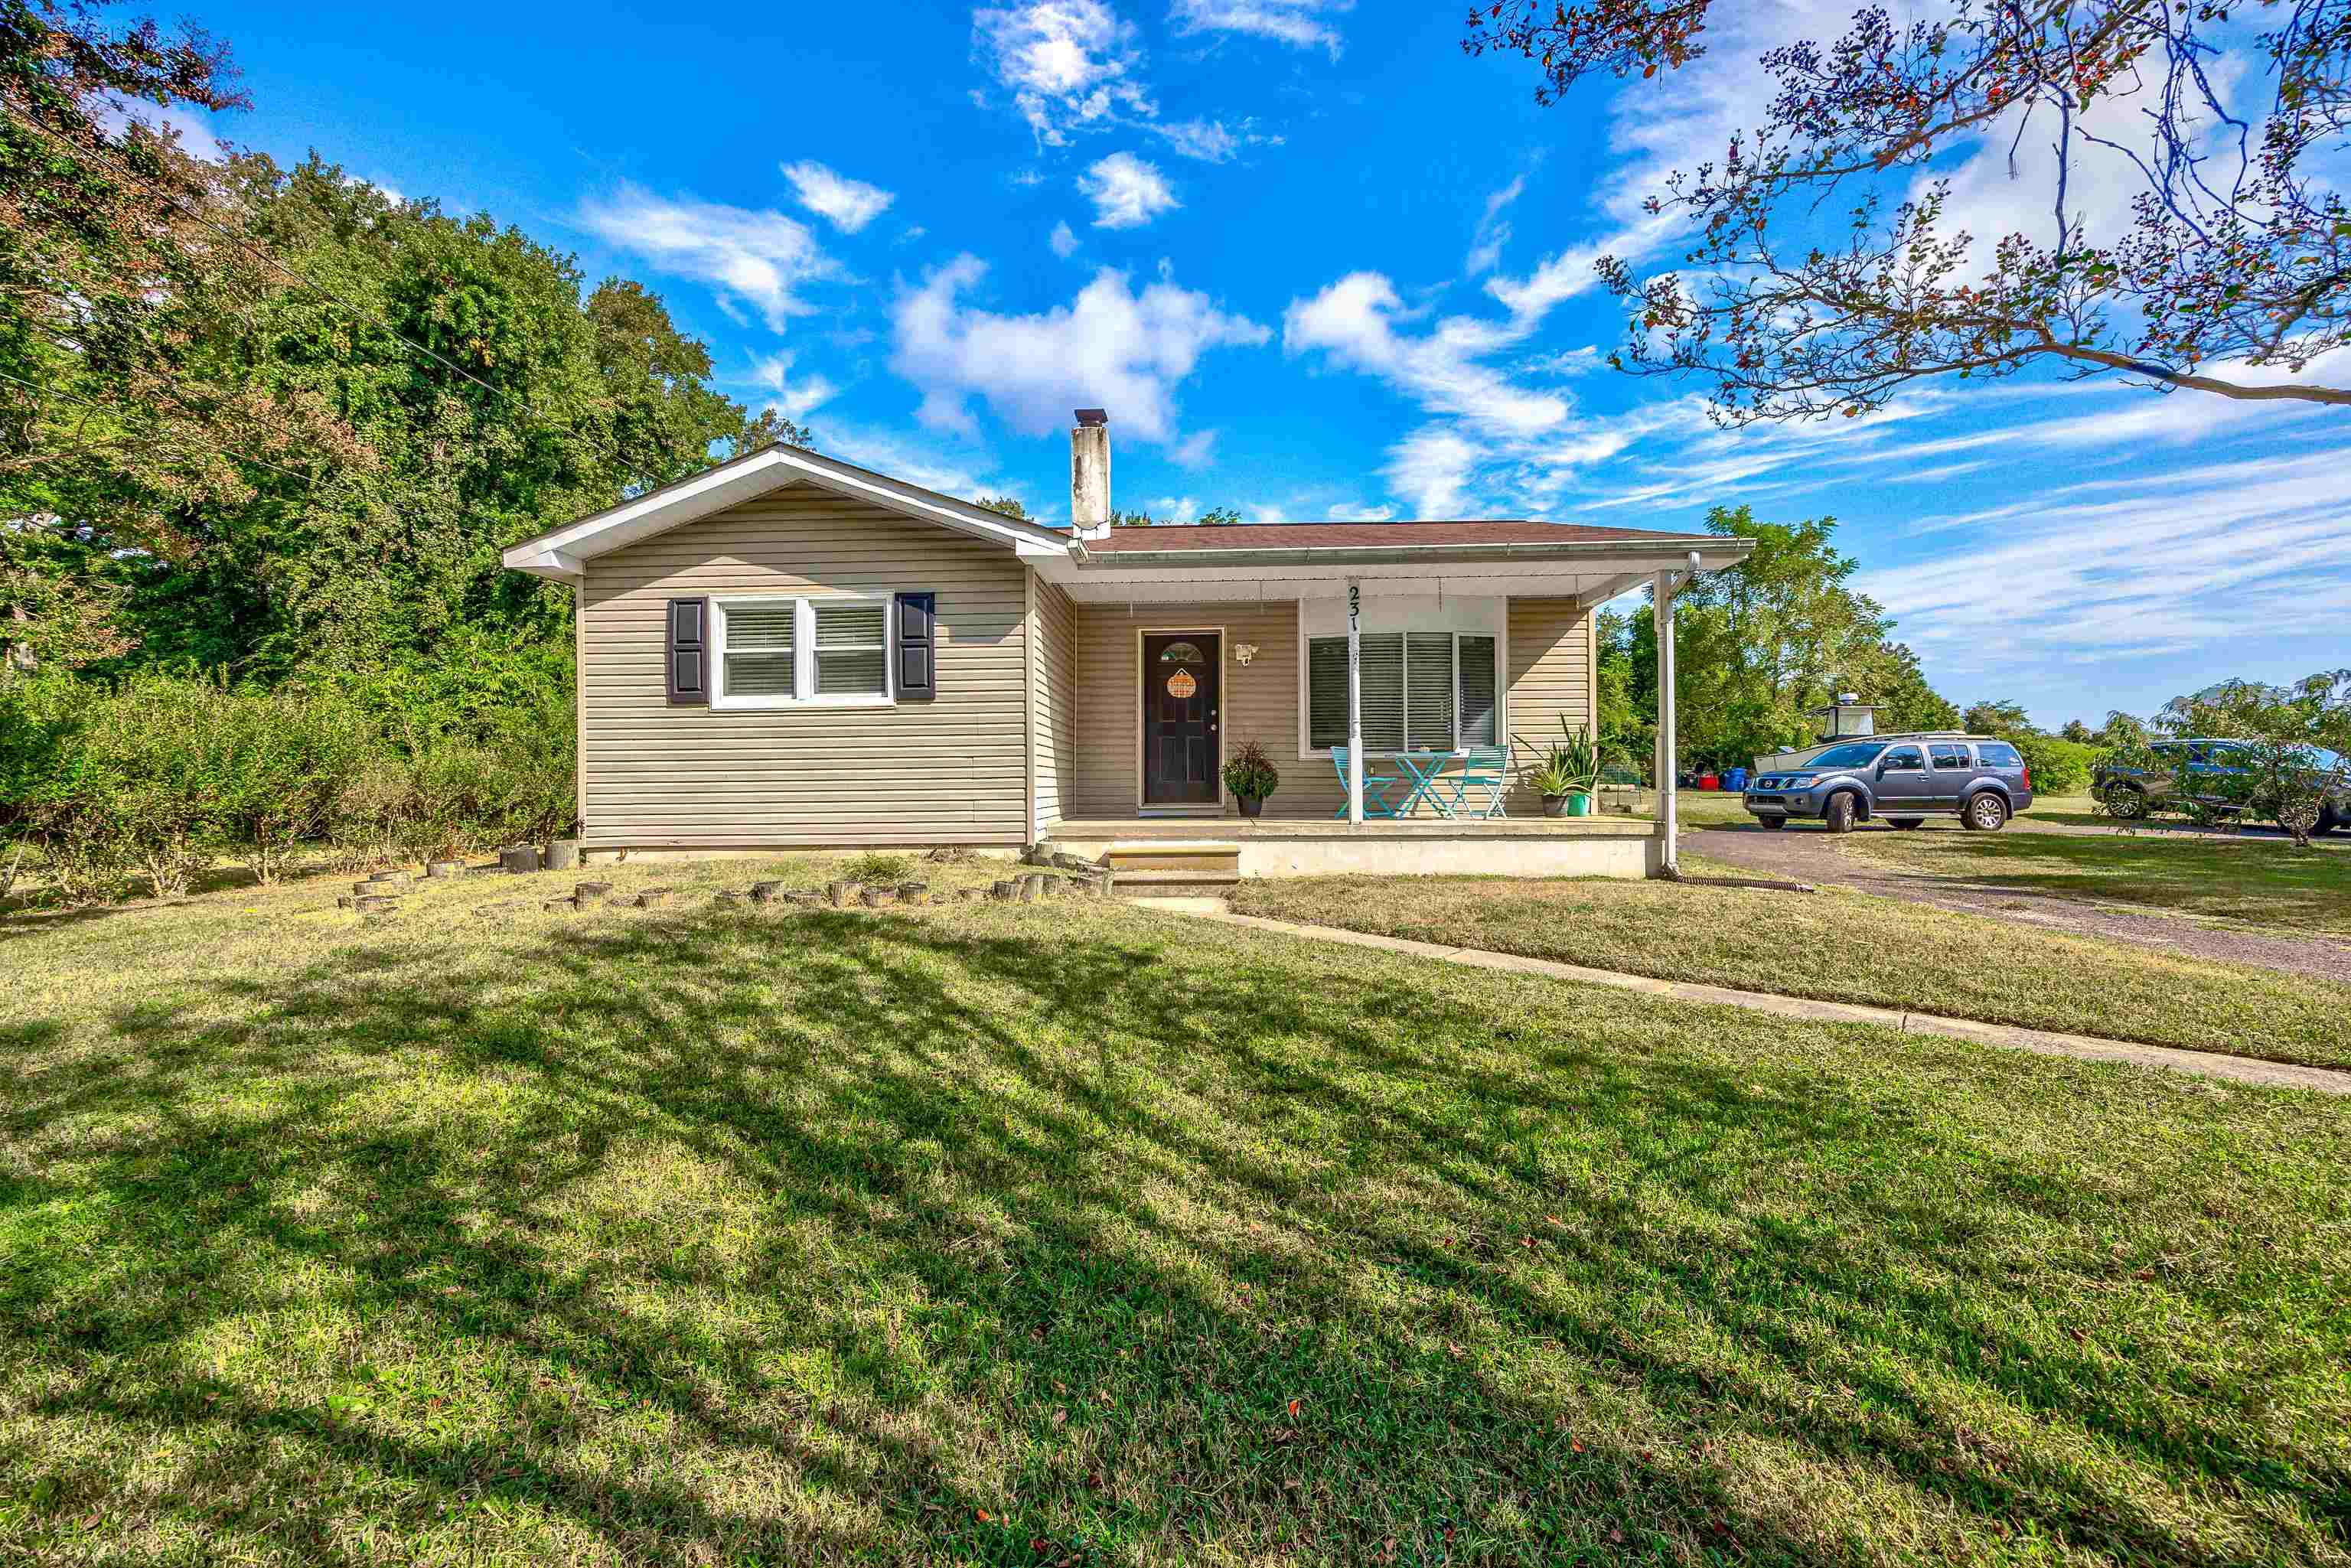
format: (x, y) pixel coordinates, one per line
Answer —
(1757, 647)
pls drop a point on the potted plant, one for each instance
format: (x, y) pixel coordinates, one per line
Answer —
(1250, 777)
(1569, 774)
(1552, 780)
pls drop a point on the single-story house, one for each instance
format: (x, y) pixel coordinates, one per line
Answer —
(787, 651)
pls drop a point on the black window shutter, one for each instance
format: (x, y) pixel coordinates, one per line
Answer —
(689, 657)
(918, 647)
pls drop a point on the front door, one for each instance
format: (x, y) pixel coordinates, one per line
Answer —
(1180, 698)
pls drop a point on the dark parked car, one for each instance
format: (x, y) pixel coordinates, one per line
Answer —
(2202, 771)
(1904, 779)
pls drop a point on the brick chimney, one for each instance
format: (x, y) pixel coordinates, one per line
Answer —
(1089, 474)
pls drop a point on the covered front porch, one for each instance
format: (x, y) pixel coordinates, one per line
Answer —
(1356, 667)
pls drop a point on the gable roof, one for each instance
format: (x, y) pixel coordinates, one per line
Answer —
(562, 552)
(1171, 539)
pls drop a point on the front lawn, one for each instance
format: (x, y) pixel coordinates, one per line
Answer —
(2262, 881)
(1074, 1234)
(1842, 946)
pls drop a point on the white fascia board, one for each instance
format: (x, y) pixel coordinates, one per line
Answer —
(753, 475)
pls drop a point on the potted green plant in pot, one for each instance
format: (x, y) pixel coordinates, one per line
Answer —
(1569, 774)
(1552, 780)
(1250, 777)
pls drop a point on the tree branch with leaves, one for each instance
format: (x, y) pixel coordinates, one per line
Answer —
(2236, 251)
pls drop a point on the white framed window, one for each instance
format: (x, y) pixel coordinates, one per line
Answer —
(769, 651)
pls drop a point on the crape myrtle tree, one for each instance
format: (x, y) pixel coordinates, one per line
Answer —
(2230, 118)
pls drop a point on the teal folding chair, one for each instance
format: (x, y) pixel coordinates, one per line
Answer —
(1376, 787)
(1485, 774)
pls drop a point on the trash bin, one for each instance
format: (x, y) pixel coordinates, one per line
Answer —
(1709, 781)
(1735, 781)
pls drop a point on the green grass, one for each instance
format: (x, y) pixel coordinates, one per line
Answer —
(2262, 881)
(1842, 946)
(992, 1234)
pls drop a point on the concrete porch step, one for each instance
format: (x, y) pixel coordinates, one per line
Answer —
(1175, 883)
(1202, 857)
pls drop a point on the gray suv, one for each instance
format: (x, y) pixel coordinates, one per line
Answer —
(1904, 779)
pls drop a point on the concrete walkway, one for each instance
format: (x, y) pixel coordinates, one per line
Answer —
(2082, 1047)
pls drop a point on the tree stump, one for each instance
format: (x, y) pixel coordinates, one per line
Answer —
(344, 902)
(971, 894)
(587, 892)
(519, 861)
(767, 892)
(652, 898)
(374, 903)
(914, 892)
(875, 897)
(443, 869)
(1032, 887)
(563, 855)
(803, 898)
(726, 900)
(1072, 862)
(1004, 891)
(565, 904)
(842, 893)
(1105, 884)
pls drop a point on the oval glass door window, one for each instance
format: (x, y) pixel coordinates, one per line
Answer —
(1181, 685)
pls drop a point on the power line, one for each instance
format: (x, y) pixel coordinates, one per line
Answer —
(265, 256)
(88, 402)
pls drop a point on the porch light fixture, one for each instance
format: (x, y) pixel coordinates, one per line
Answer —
(1244, 652)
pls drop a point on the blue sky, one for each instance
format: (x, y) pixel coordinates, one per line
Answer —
(1318, 264)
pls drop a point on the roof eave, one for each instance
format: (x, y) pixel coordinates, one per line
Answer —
(1729, 550)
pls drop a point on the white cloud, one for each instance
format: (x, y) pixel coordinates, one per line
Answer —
(193, 126)
(1109, 347)
(1354, 321)
(1210, 140)
(754, 259)
(1300, 23)
(1357, 512)
(1493, 232)
(1069, 64)
(850, 204)
(1430, 468)
(1064, 241)
(915, 462)
(793, 399)
(1175, 509)
(1196, 449)
(2171, 561)
(1565, 364)
(1126, 192)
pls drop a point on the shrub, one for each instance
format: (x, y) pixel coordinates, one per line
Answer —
(878, 868)
(2059, 767)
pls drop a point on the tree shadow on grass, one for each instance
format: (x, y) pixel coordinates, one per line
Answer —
(729, 1236)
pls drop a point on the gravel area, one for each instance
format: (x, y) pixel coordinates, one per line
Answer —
(1806, 854)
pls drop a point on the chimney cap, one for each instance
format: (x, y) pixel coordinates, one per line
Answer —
(1094, 416)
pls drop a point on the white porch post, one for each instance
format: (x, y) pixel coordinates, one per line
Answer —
(1662, 613)
(1354, 702)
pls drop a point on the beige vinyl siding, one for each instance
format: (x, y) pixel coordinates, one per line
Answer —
(1259, 701)
(1057, 705)
(1550, 678)
(949, 771)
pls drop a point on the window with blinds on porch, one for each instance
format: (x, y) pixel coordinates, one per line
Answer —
(1423, 691)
